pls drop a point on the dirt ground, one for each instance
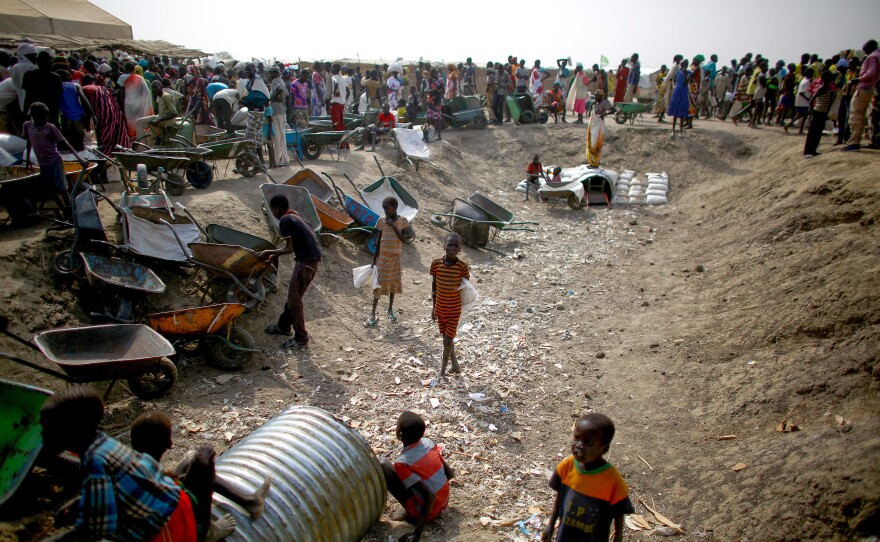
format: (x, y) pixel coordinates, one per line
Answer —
(750, 300)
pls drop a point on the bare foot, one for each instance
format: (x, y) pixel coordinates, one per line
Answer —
(455, 369)
(256, 506)
(398, 515)
(220, 529)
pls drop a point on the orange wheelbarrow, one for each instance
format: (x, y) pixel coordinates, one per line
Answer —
(229, 347)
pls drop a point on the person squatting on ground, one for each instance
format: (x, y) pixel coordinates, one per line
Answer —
(125, 496)
(447, 273)
(151, 435)
(390, 233)
(299, 239)
(419, 479)
(590, 492)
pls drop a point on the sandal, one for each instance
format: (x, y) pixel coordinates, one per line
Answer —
(392, 316)
(371, 322)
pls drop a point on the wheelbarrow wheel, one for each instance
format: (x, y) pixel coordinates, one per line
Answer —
(480, 121)
(230, 359)
(620, 117)
(200, 175)
(255, 285)
(438, 220)
(154, 382)
(527, 117)
(63, 266)
(312, 151)
(175, 184)
(248, 164)
(543, 118)
(575, 202)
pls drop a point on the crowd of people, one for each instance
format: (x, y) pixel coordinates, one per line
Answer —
(123, 98)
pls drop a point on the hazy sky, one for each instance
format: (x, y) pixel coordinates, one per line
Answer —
(491, 30)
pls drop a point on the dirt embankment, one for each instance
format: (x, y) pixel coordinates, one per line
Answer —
(750, 300)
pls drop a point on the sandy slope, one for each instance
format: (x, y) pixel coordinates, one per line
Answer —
(751, 298)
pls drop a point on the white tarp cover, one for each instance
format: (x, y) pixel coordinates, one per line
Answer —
(156, 240)
(412, 143)
(61, 17)
(374, 200)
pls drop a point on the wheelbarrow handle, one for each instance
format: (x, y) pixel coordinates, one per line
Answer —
(378, 164)
(357, 191)
(4, 328)
(32, 365)
(181, 207)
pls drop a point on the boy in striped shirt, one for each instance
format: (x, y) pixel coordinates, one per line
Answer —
(419, 478)
(446, 308)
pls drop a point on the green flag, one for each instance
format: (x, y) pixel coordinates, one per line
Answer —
(603, 61)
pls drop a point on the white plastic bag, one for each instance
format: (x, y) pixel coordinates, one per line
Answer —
(361, 275)
(469, 299)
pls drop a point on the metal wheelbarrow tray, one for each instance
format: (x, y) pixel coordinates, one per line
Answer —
(229, 347)
(20, 433)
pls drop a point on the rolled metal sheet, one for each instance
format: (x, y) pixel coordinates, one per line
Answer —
(327, 484)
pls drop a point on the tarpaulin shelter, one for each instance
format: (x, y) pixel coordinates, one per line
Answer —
(61, 17)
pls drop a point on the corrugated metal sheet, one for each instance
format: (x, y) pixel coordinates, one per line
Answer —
(327, 484)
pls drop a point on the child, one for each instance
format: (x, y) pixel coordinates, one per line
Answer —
(412, 105)
(590, 491)
(419, 478)
(125, 495)
(534, 170)
(557, 175)
(446, 297)
(151, 435)
(389, 230)
(44, 138)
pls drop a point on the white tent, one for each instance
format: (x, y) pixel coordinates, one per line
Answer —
(60, 17)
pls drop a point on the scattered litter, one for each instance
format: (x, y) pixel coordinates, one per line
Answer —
(645, 462)
(786, 426)
(738, 467)
(726, 437)
(223, 379)
(435, 402)
(492, 427)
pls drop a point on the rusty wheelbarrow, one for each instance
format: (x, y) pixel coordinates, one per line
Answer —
(229, 347)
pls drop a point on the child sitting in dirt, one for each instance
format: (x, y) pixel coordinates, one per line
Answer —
(125, 496)
(590, 491)
(419, 478)
(151, 435)
(446, 297)
(389, 230)
(534, 171)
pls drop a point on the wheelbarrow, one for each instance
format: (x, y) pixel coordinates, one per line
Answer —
(20, 433)
(630, 111)
(240, 266)
(572, 192)
(107, 352)
(362, 215)
(223, 235)
(229, 347)
(499, 217)
(122, 280)
(312, 182)
(314, 142)
(463, 110)
(299, 200)
(335, 223)
(468, 221)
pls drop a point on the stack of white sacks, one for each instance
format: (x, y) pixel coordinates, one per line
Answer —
(633, 190)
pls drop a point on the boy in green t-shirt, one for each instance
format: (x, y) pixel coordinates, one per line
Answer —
(590, 491)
